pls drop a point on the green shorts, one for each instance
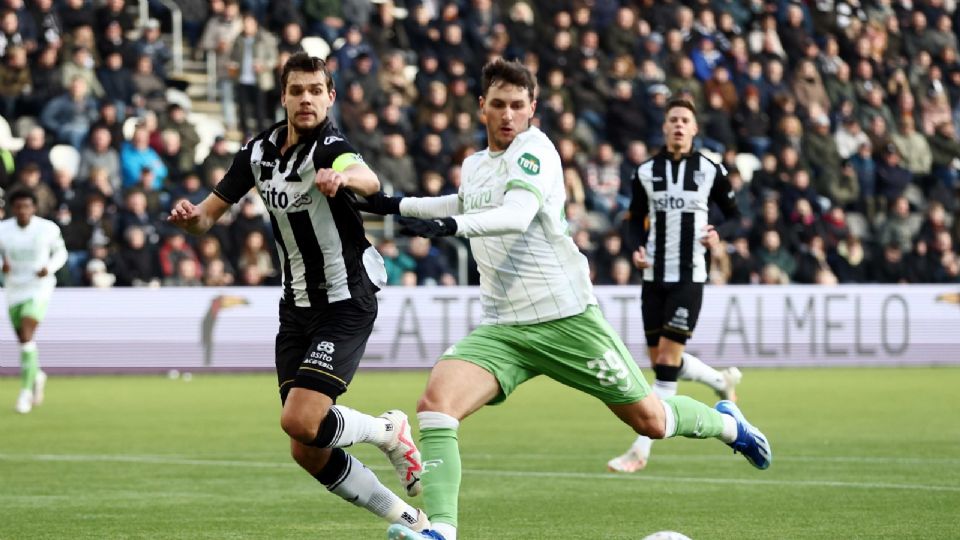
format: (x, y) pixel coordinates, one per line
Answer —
(33, 308)
(582, 352)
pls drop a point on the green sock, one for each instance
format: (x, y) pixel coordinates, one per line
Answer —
(441, 473)
(29, 365)
(694, 419)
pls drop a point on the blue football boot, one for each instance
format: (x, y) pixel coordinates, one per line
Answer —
(400, 532)
(750, 441)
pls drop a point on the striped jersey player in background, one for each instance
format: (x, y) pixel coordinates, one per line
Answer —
(674, 190)
(540, 316)
(309, 176)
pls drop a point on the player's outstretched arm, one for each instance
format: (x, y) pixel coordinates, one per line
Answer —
(197, 218)
(380, 203)
(418, 207)
(512, 217)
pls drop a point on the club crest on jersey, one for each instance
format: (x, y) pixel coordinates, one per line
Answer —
(529, 163)
(699, 178)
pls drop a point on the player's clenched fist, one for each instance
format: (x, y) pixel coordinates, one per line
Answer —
(640, 259)
(183, 213)
(328, 181)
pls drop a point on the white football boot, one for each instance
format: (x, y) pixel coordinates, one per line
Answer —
(631, 461)
(24, 402)
(731, 377)
(402, 452)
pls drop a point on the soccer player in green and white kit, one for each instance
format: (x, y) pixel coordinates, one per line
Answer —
(539, 312)
(32, 250)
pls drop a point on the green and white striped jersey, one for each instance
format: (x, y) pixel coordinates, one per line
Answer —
(538, 275)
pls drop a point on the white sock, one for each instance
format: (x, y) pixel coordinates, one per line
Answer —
(361, 487)
(436, 420)
(693, 369)
(357, 427)
(28, 347)
(729, 433)
(671, 421)
(663, 390)
(448, 531)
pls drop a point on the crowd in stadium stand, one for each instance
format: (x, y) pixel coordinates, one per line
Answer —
(837, 121)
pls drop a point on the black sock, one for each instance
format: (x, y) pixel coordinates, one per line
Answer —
(335, 470)
(330, 428)
(666, 373)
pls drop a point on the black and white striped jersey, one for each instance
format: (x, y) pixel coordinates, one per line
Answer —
(325, 253)
(676, 196)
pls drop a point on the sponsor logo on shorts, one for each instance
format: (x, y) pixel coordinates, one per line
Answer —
(323, 356)
(412, 520)
(680, 319)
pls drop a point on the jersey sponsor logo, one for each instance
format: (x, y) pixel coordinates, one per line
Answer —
(301, 199)
(479, 199)
(331, 139)
(265, 164)
(669, 202)
(529, 163)
(275, 198)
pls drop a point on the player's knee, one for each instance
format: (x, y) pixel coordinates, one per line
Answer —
(433, 402)
(653, 429)
(650, 420)
(426, 404)
(298, 426)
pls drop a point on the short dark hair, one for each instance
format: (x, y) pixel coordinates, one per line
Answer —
(302, 61)
(21, 193)
(512, 72)
(682, 103)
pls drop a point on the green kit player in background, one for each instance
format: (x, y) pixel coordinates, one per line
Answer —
(32, 250)
(540, 316)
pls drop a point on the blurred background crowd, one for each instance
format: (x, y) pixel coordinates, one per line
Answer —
(837, 120)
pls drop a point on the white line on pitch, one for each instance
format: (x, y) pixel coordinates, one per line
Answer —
(160, 460)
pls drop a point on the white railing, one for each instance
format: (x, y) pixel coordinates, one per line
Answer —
(212, 93)
(176, 16)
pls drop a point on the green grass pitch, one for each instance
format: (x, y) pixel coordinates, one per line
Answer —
(859, 453)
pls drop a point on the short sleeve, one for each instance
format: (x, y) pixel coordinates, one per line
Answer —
(333, 151)
(238, 180)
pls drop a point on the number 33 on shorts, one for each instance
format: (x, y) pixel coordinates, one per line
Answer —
(612, 371)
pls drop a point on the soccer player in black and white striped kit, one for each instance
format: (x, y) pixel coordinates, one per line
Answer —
(673, 191)
(309, 177)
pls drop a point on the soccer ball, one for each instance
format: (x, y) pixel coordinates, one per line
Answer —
(666, 535)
